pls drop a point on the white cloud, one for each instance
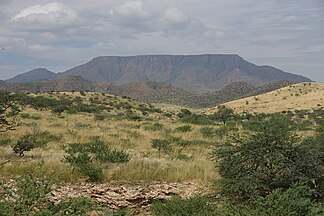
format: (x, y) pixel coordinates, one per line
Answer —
(48, 16)
(133, 9)
(174, 15)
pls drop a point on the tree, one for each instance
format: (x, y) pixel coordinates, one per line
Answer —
(269, 157)
(223, 113)
(8, 112)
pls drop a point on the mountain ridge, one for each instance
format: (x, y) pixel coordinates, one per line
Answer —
(194, 73)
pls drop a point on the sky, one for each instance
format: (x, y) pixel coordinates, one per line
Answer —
(62, 34)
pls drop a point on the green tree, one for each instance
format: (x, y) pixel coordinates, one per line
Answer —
(8, 112)
(269, 157)
(223, 114)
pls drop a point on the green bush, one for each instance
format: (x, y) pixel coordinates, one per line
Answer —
(161, 145)
(195, 206)
(270, 157)
(184, 128)
(207, 131)
(154, 127)
(30, 197)
(5, 141)
(33, 140)
(197, 119)
(87, 158)
(293, 201)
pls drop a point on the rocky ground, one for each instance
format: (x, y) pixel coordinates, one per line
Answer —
(136, 197)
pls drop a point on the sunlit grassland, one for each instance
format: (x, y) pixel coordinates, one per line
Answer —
(183, 163)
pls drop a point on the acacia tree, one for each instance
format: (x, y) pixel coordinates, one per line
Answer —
(8, 112)
(269, 157)
(223, 114)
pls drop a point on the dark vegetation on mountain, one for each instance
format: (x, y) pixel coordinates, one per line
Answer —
(150, 91)
(36, 74)
(194, 73)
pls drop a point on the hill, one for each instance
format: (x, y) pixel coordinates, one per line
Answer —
(36, 74)
(151, 92)
(2, 82)
(301, 96)
(194, 73)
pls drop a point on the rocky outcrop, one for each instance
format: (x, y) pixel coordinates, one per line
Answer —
(135, 197)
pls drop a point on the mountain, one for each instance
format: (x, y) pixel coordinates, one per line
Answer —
(36, 74)
(2, 82)
(194, 73)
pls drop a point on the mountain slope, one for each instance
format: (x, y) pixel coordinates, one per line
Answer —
(293, 97)
(2, 82)
(36, 74)
(149, 91)
(190, 72)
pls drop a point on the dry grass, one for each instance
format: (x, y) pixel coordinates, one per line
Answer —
(301, 96)
(145, 163)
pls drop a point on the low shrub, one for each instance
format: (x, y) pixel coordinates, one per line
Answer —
(161, 145)
(87, 158)
(195, 206)
(184, 128)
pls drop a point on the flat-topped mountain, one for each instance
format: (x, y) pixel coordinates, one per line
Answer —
(190, 72)
(36, 74)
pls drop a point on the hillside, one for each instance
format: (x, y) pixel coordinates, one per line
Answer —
(36, 74)
(2, 82)
(151, 92)
(194, 73)
(301, 96)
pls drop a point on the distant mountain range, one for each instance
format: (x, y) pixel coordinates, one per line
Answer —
(36, 74)
(192, 73)
(149, 91)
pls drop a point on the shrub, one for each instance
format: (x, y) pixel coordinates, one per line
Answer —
(87, 157)
(207, 131)
(33, 140)
(197, 119)
(293, 201)
(154, 127)
(30, 197)
(184, 128)
(195, 206)
(5, 141)
(161, 145)
(270, 157)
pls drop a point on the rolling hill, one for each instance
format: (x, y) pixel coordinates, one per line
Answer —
(152, 92)
(301, 96)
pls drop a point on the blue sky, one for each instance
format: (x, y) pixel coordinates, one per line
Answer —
(62, 34)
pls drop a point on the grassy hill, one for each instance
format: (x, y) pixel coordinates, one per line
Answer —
(301, 96)
(127, 154)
